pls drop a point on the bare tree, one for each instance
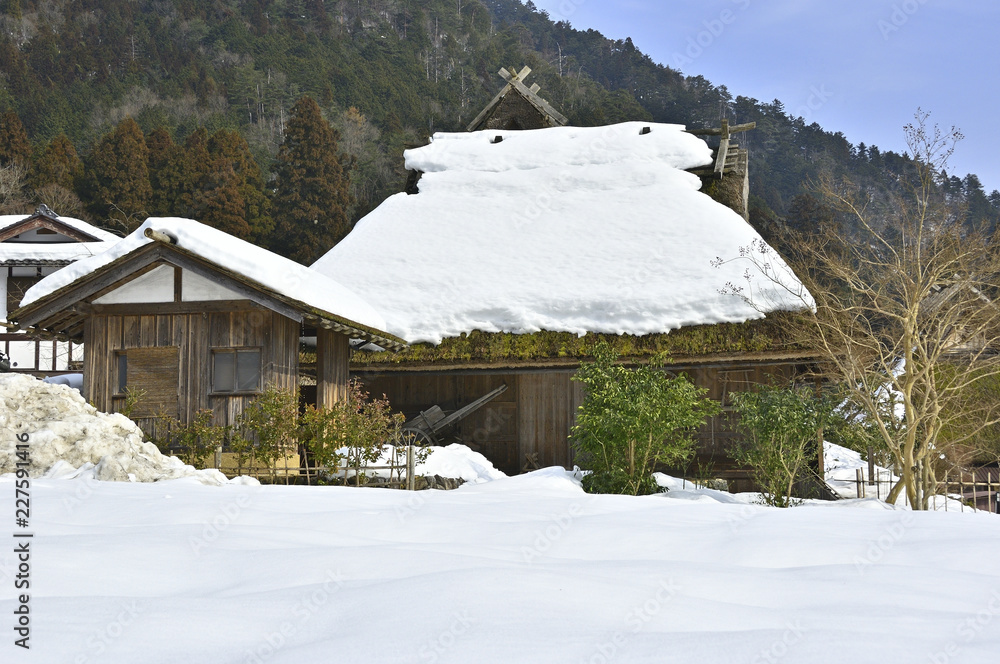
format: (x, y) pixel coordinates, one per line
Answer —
(904, 314)
(12, 198)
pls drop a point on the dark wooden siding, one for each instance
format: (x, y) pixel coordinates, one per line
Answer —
(333, 353)
(194, 335)
(532, 419)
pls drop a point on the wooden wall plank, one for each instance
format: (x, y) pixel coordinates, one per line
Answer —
(332, 356)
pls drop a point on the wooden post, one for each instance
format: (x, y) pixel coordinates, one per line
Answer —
(411, 466)
(859, 480)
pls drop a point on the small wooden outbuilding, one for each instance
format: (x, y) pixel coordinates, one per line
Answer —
(31, 248)
(198, 319)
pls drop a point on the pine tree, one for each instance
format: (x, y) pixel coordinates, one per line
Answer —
(311, 196)
(117, 177)
(14, 144)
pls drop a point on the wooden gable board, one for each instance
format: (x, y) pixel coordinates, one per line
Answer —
(38, 221)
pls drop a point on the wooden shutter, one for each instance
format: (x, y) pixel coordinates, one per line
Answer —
(156, 371)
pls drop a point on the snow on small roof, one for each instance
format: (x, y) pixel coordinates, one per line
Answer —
(26, 252)
(565, 229)
(273, 272)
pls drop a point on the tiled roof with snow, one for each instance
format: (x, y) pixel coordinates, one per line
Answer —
(271, 271)
(564, 229)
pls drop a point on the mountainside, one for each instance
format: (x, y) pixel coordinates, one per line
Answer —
(386, 73)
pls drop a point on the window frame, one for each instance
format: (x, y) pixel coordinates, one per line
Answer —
(121, 372)
(236, 351)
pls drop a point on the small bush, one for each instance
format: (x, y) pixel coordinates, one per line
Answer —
(350, 435)
(267, 430)
(782, 428)
(197, 441)
(632, 420)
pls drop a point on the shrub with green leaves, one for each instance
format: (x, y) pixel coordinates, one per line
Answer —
(632, 420)
(196, 442)
(267, 430)
(351, 434)
(781, 428)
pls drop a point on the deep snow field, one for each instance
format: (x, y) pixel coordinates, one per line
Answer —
(523, 569)
(135, 557)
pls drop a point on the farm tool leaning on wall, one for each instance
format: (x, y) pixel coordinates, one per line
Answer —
(425, 427)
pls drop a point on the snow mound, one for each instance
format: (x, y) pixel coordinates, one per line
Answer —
(67, 437)
(459, 462)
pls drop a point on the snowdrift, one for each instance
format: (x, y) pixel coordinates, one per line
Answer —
(67, 436)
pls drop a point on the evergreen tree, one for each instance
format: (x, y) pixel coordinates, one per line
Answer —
(14, 145)
(311, 195)
(166, 173)
(58, 164)
(219, 203)
(230, 153)
(117, 177)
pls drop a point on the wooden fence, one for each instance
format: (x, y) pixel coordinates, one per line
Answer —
(400, 475)
(959, 490)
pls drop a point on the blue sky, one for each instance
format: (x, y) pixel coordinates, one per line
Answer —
(861, 67)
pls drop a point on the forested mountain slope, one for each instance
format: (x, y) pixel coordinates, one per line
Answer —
(212, 83)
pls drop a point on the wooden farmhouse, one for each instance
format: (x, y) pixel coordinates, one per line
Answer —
(32, 247)
(197, 319)
(520, 249)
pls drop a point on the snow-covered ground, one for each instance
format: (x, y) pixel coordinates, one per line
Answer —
(503, 569)
(522, 569)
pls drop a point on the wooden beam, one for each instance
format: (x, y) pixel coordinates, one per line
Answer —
(721, 154)
(539, 103)
(172, 308)
(735, 129)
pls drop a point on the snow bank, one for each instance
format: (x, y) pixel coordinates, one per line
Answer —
(454, 462)
(565, 229)
(270, 270)
(525, 570)
(459, 462)
(67, 437)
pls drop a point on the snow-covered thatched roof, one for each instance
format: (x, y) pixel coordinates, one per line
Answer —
(564, 229)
